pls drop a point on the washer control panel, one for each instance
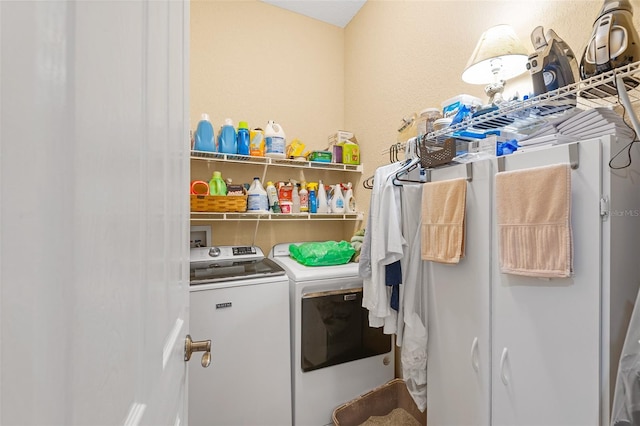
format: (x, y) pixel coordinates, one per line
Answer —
(226, 253)
(244, 250)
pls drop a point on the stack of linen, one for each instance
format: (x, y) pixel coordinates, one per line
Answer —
(579, 125)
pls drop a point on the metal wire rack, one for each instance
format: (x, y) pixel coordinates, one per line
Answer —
(595, 92)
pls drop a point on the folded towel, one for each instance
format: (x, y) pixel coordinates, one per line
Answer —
(443, 211)
(534, 221)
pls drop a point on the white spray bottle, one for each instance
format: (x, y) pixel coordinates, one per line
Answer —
(349, 201)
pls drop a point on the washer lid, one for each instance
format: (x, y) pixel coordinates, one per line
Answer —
(299, 272)
(211, 271)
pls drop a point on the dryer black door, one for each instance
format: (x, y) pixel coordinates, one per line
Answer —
(335, 329)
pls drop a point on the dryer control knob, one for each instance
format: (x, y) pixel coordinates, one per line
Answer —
(214, 251)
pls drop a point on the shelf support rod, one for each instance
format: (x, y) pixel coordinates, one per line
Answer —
(624, 98)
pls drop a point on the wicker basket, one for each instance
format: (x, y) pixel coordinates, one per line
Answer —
(218, 203)
(435, 153)
(378, 402)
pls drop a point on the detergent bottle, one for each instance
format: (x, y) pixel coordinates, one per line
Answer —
(227, 142)
(313, 201)
(323, 207)
(272, 195)
(295, 199)
(304, 198)
(217, 186)
(243, 138)
(337, 201)
(204, 138)
(349, 201)
(275, 140)
(257, 201)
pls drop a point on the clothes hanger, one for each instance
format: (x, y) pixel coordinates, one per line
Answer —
(412, 162)
(368, 183)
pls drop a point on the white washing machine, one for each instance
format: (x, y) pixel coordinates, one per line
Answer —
(336, 356)
(240, 300)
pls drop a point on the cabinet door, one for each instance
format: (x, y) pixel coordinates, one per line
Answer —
(546, 333)
(458, 372)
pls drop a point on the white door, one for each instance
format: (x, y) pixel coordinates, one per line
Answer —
(546, 333)
(93, 212)
(459, 362)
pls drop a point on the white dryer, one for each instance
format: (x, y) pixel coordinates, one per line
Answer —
(336, 356)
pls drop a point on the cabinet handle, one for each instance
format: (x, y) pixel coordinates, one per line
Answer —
(474, 355)
(503, 360)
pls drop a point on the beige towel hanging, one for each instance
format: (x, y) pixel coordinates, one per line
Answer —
(443, 211)
(534, 221)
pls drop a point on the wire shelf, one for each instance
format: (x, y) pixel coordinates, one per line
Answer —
(598, 91)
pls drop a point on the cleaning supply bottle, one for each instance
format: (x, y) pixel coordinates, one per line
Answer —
(227, 142)
(295, 198)
(272, 195)
(204, 139)
(275, 140)
(349, 201)
(304, 198)
(243, 138)
(257, 201)
(313, 200)
(322, 198)
(337, 201)
(217, 186)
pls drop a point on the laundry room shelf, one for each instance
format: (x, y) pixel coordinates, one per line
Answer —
(598, 91)
(274, 217)
(267, 161)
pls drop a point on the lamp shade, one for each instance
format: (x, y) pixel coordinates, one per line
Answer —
(499, 51)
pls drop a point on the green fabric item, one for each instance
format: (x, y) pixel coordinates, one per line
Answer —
(323, 253)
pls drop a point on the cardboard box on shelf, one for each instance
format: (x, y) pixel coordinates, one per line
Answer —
(339, 136)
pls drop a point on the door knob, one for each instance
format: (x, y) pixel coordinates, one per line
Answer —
(199, 346)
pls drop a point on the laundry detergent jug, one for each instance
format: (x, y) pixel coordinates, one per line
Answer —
(275, 140)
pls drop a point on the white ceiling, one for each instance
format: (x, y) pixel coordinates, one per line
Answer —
(335, 12)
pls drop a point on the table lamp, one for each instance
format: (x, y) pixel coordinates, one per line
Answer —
(498, 56)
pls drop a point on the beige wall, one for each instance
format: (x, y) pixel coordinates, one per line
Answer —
(403, 56)
(252, 61)
(255, 62)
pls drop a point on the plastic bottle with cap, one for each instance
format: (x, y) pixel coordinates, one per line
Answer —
(275, 140)
(426, 119)
(337, 201)
(204, 139)
(304, 198)
(295, 199)
(217, 186)
(323, 207)
(243, 138)
(313, 200)
(257, 201)
(272, 195)
(227, 138)
(349, 201)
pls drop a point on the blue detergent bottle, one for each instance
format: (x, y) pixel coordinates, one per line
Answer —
(227, 142)
(204, 139)
(243, 138)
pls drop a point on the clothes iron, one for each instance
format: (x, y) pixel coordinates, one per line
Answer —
(553, 64)
(614, 41)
